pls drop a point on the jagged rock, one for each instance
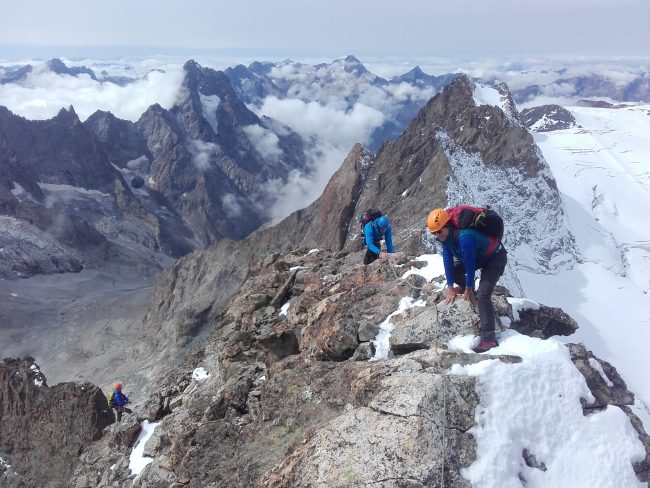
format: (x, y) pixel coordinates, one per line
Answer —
(531, 460)
(603, 380)
(365, 351)
(37, 421)
(368, 330)
(545, 322)
(547, 118)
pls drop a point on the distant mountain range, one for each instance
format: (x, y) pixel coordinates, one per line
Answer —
(180, 178)
(169, 183)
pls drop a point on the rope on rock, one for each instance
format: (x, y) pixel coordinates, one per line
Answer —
(400, 278)
(445, 382)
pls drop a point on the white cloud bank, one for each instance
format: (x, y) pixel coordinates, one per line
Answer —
(43, 93)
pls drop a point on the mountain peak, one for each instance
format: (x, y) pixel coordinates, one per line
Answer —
(57, 66)
(68, 114)
(60, 68)
(191, 65)
(351, 59)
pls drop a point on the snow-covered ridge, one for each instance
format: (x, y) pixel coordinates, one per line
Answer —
(537, 236)
(497, 96)
(534, 408)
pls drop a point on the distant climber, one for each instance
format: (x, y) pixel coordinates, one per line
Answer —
(374, 231)
(119, 401)
(464, 250)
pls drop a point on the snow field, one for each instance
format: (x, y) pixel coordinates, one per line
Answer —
(535, 406)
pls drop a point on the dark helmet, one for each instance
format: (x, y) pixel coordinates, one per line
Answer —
(382, 222)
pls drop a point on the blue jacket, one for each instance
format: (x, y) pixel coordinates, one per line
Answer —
(119, 399)
(373, 237)
(469, 246)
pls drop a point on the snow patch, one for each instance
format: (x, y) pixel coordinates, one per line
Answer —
(382, 345)
(53, 188)
(284, 309)
(137, 460)
(434, 268)
(200, 374)
(597, 367)
(209, 104)
(486, 95)
(535, 406)
(521, 304)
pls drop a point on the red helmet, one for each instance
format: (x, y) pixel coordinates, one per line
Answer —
(118, 386)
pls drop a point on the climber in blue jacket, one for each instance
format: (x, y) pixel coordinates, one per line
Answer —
(373, 233)
(119, 401)
(463, 252)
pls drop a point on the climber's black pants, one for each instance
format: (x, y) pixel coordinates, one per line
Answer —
(491, 271)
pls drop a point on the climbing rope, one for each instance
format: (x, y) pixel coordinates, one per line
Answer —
(445, 381)
(399, 278)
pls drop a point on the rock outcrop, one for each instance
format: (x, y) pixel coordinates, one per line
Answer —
(43, 429)
(547, 118)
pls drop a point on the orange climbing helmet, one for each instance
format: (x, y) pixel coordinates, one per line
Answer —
(118, 386)
(437, 219)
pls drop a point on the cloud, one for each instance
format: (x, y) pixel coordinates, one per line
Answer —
(264, 141)
(340, 127)
(300, 189)
(231, 206)
(202, 153)
(43, 93)
(405, 91)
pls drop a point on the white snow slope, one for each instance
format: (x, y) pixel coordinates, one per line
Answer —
(603, 173)
(535, 407)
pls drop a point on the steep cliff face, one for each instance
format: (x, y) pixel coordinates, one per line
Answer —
(65, 206)
(467, 146)
(43, 429)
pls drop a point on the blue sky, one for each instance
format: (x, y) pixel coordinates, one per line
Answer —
(329, 28)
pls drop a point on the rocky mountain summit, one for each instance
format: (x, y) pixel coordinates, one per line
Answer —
(278, 390)
(547, 118)
(458, 150)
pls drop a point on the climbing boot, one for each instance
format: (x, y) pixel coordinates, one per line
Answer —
(485, 346)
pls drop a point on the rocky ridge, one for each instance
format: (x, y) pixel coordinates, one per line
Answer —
(288, 397)
(454, 152)
(547, 118)
(43, 429)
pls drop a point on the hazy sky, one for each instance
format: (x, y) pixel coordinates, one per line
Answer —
(327, 27)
